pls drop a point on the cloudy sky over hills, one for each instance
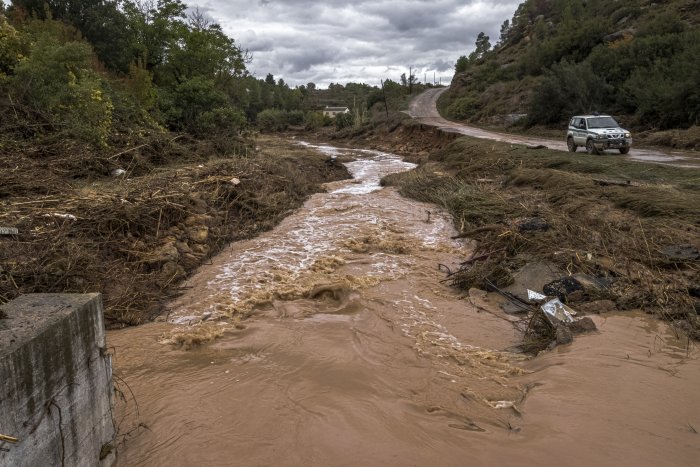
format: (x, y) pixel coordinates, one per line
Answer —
(342, 41)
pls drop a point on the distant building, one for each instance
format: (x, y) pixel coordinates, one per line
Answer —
(333, 111)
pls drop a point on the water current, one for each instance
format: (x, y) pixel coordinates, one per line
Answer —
(352, 352)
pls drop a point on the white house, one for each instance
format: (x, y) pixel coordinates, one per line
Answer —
(333, 111)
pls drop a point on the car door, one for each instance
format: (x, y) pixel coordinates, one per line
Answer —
(580, 132)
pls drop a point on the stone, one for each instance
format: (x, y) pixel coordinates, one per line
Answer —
(562, 287)
(584, 324)
(183, 247)
(165, 253)
(198, 234)
(564, 335)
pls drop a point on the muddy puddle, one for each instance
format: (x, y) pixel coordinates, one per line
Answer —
(352, 352)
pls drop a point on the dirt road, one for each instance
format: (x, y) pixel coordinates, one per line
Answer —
(424, 109)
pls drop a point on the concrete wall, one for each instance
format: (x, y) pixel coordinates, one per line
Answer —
(55, 381)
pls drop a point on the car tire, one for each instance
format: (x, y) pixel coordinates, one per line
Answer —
(624, 150)
(590, 148)
(570, 144)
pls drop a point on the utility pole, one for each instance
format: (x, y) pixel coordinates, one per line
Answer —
(386, 107)
(410, 80)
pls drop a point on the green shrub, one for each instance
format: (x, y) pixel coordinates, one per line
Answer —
(463, 107)
(344, 120)
(221, 121)
(58, 80)
(272, 120)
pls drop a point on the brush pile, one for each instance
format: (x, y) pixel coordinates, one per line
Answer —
(136, 235)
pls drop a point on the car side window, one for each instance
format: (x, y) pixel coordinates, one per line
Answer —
(582, 123)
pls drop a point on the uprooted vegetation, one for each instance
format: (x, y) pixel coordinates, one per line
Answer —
(135, 236)
(636, 226)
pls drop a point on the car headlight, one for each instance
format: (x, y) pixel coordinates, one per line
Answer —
(628, 135)
(598, 136)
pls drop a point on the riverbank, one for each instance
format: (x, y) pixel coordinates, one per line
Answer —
(135, 232)
(628, 231)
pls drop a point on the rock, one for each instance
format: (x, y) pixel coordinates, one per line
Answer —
(564, 335)
(534, 275)
(183, 247)
(198, 234)
(199, 205)
(562, 287)
(201, 249)
(165, 253)
(584, 324)
(172, 269)
(189, 260)
(532, 224)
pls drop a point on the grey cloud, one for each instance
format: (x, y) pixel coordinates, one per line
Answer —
(340, 41)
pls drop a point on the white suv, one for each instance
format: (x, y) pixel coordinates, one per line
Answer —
(597, 133)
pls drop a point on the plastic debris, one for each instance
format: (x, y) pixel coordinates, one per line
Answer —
(62, 216)
(9, 231)
(235, 181)
(556, 312)
(118, 172)
(535, 296)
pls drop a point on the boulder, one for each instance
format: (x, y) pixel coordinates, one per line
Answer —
(562, 288)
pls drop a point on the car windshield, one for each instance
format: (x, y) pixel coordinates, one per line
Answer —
(602, 122)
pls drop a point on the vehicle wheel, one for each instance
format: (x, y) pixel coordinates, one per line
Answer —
(570, 144)
(590, 147)
(624, 150)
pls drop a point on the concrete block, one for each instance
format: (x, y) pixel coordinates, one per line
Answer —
(55, 381)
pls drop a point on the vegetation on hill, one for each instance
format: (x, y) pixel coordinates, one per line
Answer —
(634, 58)
(106, 72)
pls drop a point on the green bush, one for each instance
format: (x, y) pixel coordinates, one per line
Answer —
(314, 120)
(463, 107)
(225, 121)
(272, 120)
(58, 80)
(344, 120)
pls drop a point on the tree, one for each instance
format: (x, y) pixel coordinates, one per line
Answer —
(270, 79)
(482, 47)
(505, 30)
(155, 27)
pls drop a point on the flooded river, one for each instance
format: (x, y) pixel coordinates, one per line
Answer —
(352, 352)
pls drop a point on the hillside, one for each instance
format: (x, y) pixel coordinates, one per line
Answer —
(636, 59)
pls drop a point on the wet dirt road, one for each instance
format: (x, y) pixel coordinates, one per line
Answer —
(424, 109)
(353, 353)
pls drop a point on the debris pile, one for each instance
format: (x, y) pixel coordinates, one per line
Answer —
(134, 237)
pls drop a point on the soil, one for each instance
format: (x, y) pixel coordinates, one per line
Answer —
(135, 236)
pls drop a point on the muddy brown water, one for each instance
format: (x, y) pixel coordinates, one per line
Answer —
(354, 353)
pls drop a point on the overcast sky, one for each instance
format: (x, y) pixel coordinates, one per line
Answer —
(339, 41)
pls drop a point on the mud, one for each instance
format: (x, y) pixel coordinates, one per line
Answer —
(331, 340)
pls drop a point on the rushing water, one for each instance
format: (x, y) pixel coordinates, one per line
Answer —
(354, 353)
